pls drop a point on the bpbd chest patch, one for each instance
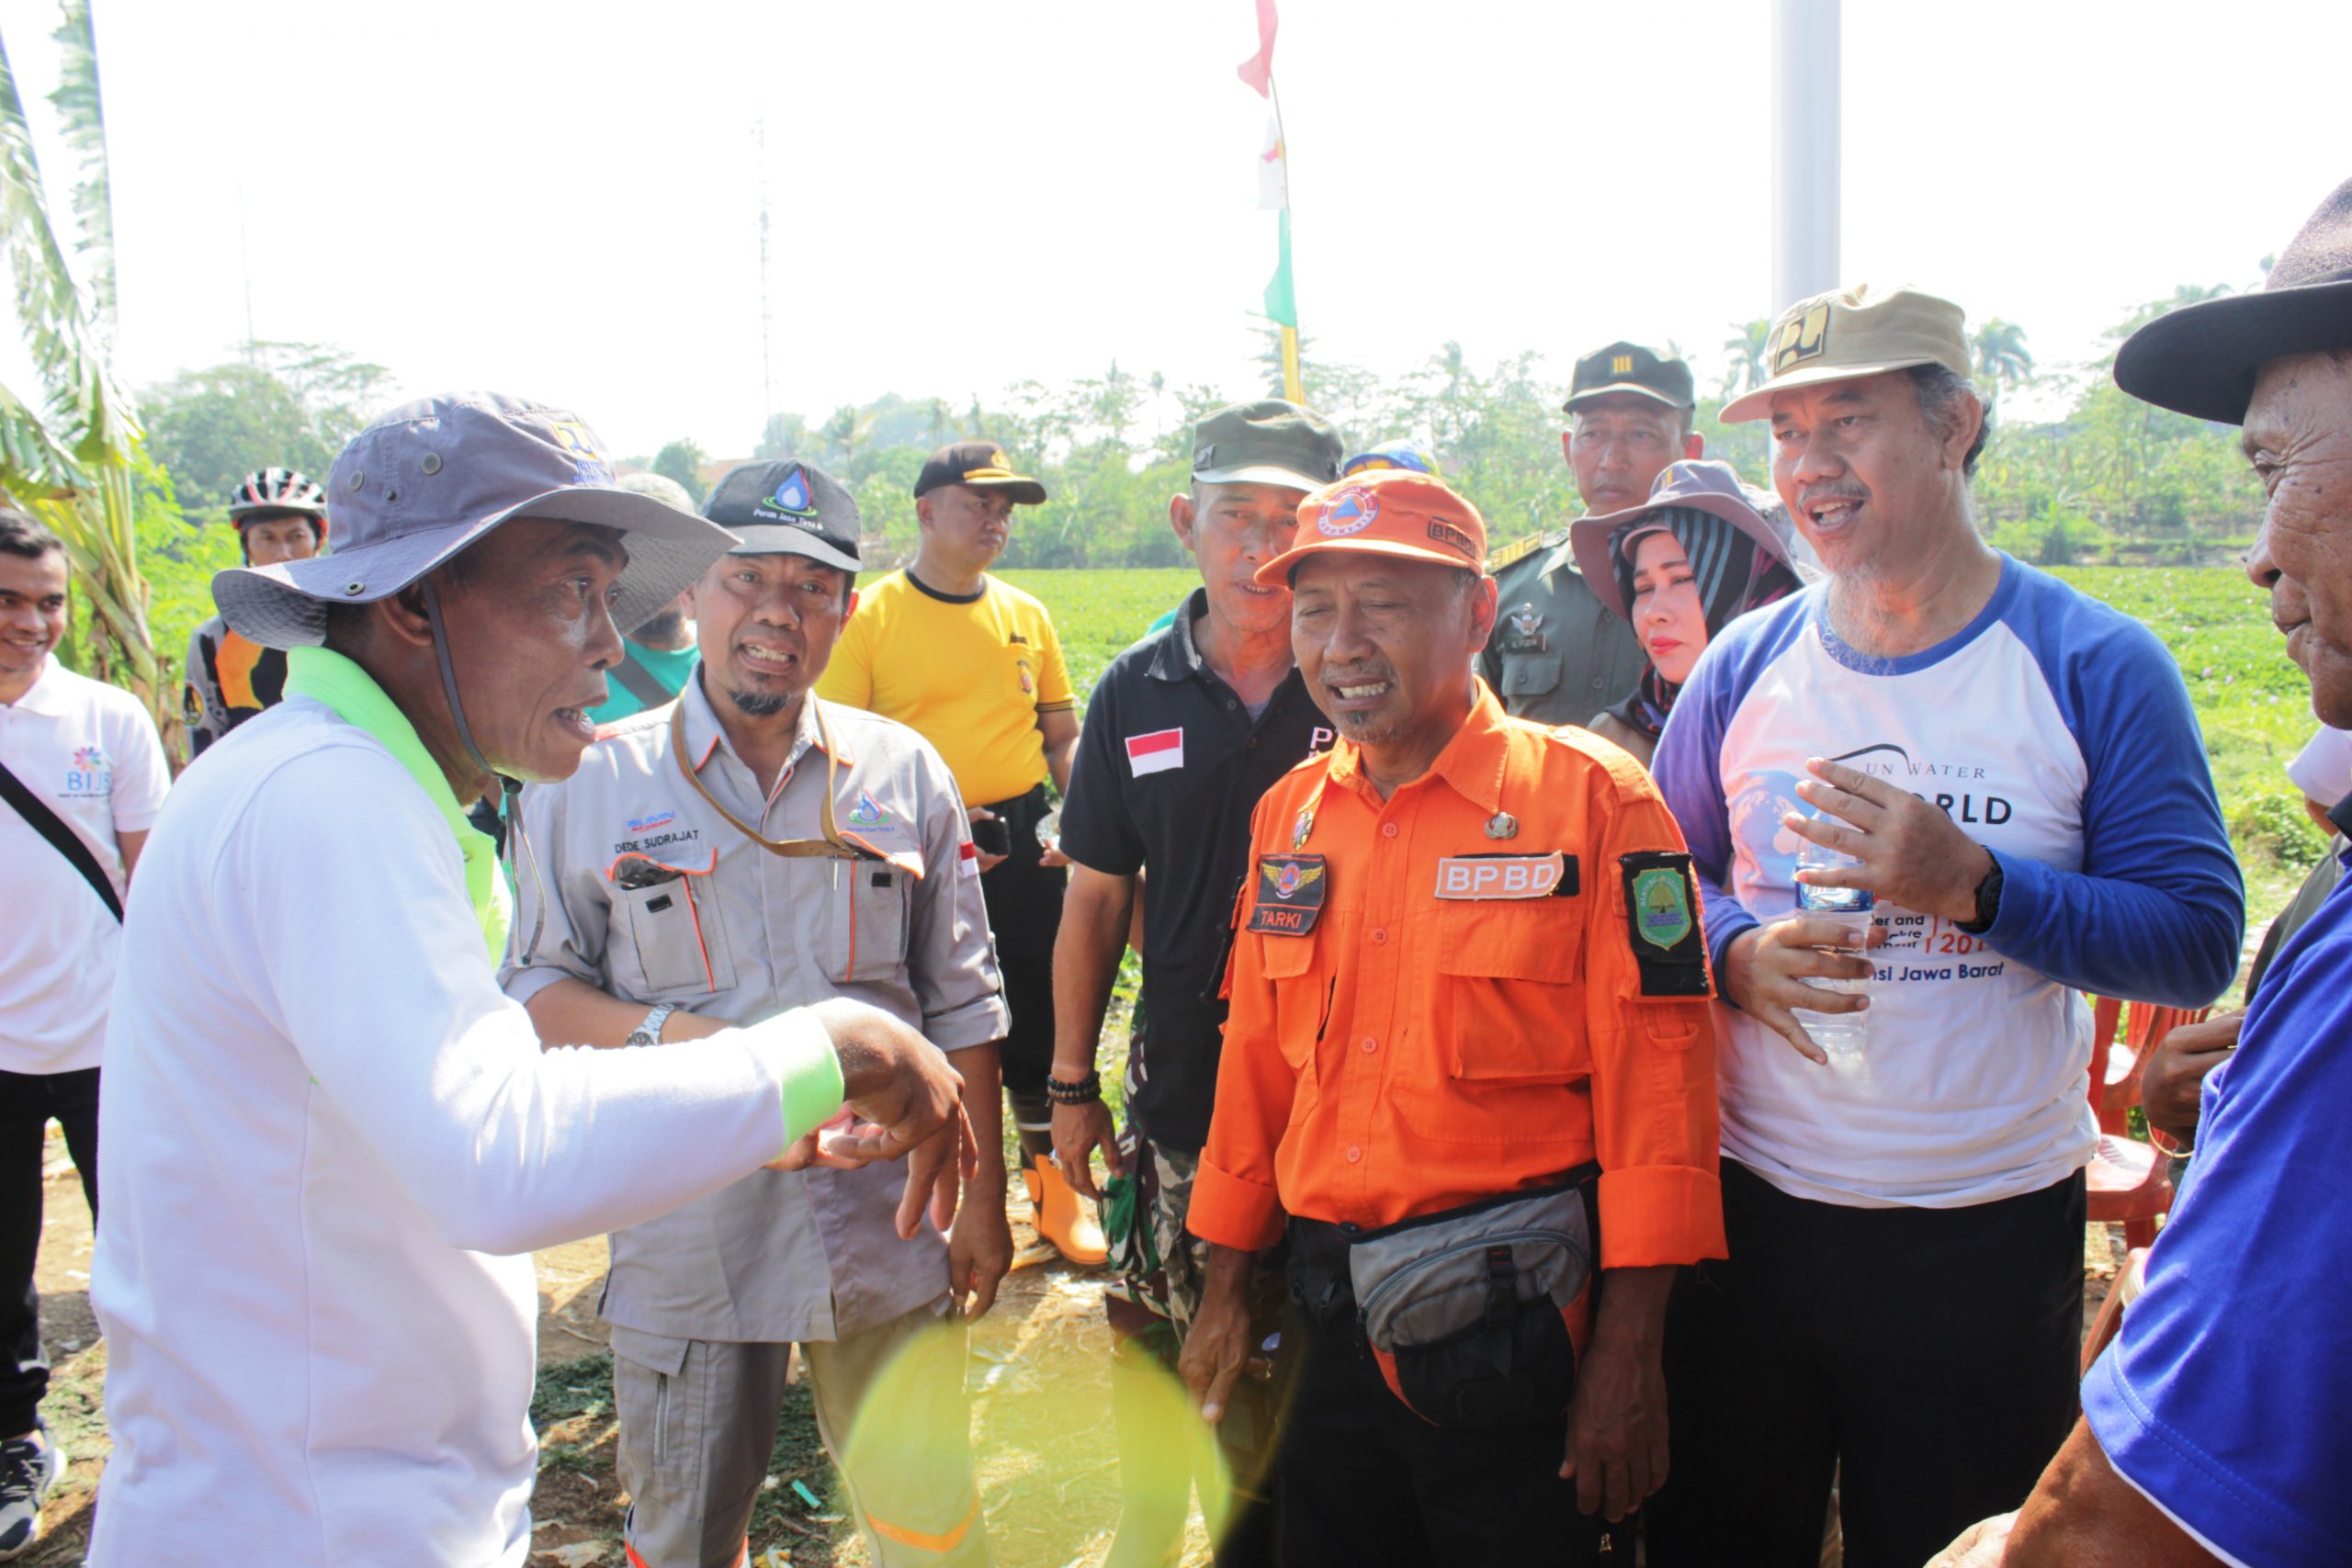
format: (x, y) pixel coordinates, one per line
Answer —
(1662, 923)
(1291, 889)
(1508, 876)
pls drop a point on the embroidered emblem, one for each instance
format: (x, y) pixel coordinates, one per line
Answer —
(1507, 876)
(1290, 893)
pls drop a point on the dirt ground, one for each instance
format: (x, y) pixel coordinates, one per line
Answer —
(1041, 1396)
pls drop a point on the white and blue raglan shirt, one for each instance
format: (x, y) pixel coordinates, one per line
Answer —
(2057, 733)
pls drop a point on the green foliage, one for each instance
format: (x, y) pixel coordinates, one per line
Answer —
(682, 461)
(287, 404)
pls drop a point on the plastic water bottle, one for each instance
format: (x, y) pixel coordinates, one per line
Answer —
(1839, 1033)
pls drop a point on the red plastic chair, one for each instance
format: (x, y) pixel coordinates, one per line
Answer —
(2131, 1182)
(2129, 1284)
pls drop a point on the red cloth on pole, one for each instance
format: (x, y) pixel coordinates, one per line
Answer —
(1259, 69)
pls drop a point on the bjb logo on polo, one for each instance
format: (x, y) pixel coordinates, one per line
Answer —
(91, 775)
(1507, 876)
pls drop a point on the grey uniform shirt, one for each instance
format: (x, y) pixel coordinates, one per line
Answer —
(1557, 655)
(648, 894)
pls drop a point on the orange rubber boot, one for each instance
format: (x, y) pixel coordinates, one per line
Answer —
(1063, 1219)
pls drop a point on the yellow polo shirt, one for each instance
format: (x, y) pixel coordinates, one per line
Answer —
(970, 675)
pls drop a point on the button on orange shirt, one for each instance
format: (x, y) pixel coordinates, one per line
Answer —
(1411, 1052)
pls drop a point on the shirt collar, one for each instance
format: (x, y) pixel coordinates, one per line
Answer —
(706, 735)
(45, 696)
(1178, 658)
(1472, 761)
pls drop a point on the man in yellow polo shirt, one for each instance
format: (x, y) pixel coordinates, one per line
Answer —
(973, 665)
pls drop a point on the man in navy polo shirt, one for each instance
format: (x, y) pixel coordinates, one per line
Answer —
(1185, 730)
(2218, 1425)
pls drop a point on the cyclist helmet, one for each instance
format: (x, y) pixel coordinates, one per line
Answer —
(269, 491)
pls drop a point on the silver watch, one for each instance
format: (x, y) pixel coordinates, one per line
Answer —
(648, 1030)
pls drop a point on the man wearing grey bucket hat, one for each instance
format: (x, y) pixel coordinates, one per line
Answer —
(335, 1143)
(2214, 1426)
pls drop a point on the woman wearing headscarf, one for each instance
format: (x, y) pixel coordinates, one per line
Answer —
(1682, 566)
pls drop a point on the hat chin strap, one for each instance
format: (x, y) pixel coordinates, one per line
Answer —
(449, 689)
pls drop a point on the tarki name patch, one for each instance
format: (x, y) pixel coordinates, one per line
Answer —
(1507, 876)
(1290, 893)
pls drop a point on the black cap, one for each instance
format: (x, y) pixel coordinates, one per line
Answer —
(789, 508)
(1630, 367)
(982, 464)
(2201, 359)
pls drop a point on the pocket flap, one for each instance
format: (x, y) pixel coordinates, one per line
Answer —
(1284, 957)
(1512, 939)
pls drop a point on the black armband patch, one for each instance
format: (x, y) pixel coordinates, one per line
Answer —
(1662, 923)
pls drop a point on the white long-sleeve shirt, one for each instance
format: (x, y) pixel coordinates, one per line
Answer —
(330, 1144)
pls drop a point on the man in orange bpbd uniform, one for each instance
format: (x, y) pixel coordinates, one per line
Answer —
(1469, 1066)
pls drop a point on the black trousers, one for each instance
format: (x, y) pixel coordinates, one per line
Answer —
(1928, 1352)
(1364, 1480)
(28, 1102)
(1024, 905)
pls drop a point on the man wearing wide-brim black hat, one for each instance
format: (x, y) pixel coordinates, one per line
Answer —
(2218, 1425)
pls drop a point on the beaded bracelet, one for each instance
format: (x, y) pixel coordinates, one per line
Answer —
(1085, 1091)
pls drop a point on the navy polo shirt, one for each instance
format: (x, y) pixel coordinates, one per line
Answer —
(2224, 1398)
(1170, 766)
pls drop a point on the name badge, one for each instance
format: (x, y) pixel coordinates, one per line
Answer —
(1507, 876)
(1290, 895)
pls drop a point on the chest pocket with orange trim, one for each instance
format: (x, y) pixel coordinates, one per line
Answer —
(668, 942)
(865, 923)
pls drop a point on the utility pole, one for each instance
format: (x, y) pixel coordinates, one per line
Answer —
(1806, 85)
(767, 319)
(245, 259)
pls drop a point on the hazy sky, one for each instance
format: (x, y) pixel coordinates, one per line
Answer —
(561, 199)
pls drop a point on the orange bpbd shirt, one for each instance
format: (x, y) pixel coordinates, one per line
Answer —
(1416, 1048)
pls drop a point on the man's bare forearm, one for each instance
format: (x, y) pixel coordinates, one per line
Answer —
(1632, 1314)
(573, 1012)
(2085, 1515)
(1086, 963)
(983, 1073)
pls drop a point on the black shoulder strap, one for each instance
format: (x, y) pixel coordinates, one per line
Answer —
(641, 682)
(61, 837)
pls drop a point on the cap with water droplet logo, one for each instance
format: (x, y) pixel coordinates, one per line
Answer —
(787, 508)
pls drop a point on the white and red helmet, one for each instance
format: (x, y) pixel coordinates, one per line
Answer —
(267, 492)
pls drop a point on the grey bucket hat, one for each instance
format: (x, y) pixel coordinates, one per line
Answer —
(1704, 485)
(427, 480)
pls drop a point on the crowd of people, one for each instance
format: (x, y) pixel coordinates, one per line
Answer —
(1526, 1156)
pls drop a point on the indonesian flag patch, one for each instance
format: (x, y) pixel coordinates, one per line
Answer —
(1155, 752)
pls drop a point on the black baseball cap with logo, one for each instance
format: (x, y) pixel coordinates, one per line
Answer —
(1630, 367)
(983, 466)
(790, 508)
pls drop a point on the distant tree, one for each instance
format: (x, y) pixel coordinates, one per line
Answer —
(786, 435)
(2002, 359)
(1746, 349)
(293, 405)
(682, 460)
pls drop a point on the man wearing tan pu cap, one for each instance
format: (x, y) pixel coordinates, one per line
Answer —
(2017, 779)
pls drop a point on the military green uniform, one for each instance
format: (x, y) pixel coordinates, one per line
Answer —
(1557, 655)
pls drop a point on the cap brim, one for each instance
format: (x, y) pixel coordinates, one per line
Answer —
(1276, 572)
(783, 539)
(1757, 404)
(285, 606)
(1025, 491)
(1578, 400)
(1260, 474)
(2201, 360)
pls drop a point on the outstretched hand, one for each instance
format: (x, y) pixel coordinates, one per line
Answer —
(1911, 853)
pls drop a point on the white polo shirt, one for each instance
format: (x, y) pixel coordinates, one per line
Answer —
(90, 751)
(329, 1145)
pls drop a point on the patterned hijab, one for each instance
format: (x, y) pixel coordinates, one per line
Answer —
(1732, 573)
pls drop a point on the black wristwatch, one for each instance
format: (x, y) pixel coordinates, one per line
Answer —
(1988, 902)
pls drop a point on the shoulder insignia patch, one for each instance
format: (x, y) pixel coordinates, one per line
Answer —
(1517, 550)
(1662, 923)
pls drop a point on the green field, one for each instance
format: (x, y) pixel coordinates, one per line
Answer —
(2252, 703)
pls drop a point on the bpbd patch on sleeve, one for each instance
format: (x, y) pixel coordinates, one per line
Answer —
(1662, 923)
(1290, 893)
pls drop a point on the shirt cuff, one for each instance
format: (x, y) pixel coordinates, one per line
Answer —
(1230, 1212)
(983, 1022)
(1724, 922)
(523, 983)
(808, 1068)
(1652, 1215)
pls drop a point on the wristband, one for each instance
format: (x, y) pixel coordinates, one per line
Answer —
(1087, 1091)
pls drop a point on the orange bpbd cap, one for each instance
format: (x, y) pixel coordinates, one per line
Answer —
(1385, 511)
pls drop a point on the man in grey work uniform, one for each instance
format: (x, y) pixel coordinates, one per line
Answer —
(744, 849)
(1557, 655)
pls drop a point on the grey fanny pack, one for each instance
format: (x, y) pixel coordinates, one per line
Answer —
(1474, 1313)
